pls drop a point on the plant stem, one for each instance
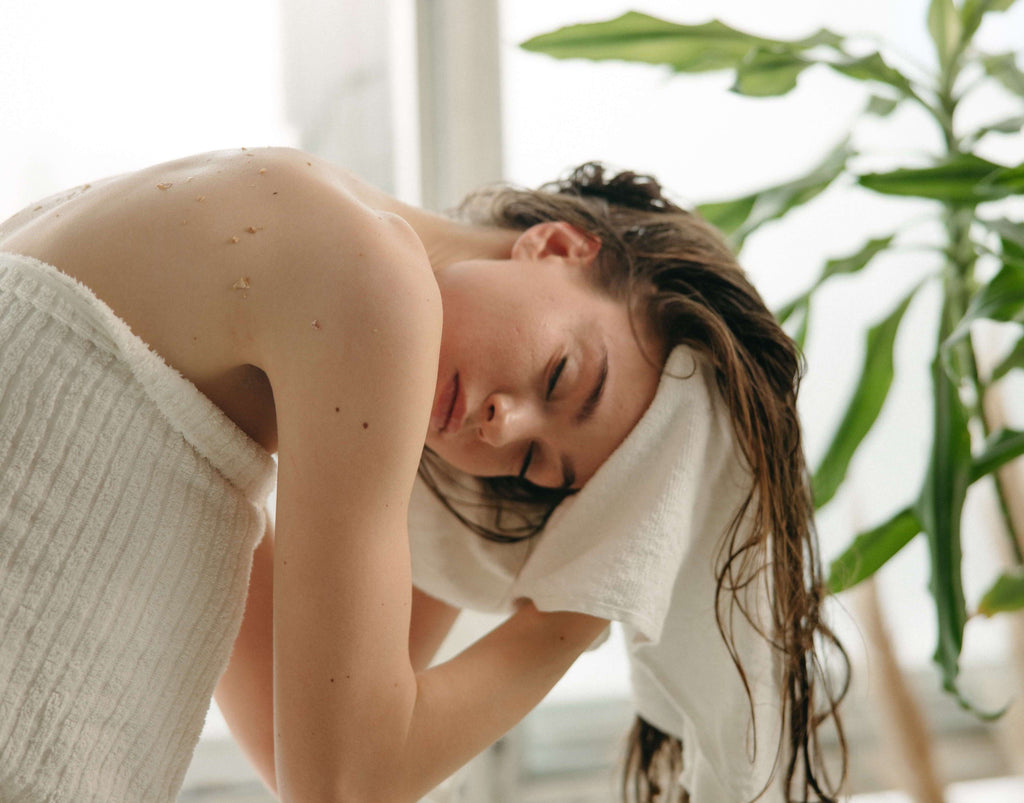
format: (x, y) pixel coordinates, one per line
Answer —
(959, 286)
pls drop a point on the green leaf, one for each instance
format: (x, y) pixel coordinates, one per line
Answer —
(1010, 125)
(741, 217)
(972, 12)
(727, 216)
(1015, 359)
(1012, 243)
(1004, 182)
(1011, 233)
(945, 27)
(1006, 594)
(874, 68)
(1011, 239)
(684, 48)
(1000, 448)
(855, 262)
(775, 202)
(765, 72)
(1003, 67)
(864, 406)
(965, 179)
(870, 550)
(800, 335)
(1002, 299)
(784, 313)
(801, 307)
(849, 264)
(881, 106)
(939, 509)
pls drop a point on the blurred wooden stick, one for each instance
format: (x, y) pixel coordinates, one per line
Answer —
(903, 726)
(1010, 729)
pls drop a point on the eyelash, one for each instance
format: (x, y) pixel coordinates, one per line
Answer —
(551, 389)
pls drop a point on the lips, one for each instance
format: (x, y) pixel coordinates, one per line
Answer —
(449, 408)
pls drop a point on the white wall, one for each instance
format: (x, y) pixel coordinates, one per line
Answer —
(93, 88)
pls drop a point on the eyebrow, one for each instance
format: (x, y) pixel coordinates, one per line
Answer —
(586, 412)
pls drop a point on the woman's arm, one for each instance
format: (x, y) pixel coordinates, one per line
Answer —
(245, 692)
(353, 721)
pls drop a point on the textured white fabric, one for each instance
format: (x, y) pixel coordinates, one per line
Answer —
(639, 545)
(129, 509)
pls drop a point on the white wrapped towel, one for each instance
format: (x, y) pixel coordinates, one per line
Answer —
(129, 509)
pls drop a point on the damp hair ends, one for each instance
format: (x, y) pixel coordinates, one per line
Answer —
(653, 764)
(680, 278)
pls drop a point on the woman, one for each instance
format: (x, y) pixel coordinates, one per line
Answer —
(307, 307)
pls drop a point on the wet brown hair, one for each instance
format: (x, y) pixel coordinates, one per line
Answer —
(677, 272)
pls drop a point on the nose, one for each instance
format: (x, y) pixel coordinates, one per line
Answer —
(504, 420)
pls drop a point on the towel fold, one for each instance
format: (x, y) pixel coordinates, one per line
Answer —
(615, 548)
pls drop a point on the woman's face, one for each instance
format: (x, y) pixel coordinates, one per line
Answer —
(537, 369)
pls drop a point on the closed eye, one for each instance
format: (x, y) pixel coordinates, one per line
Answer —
(554, 376)
(551, 389)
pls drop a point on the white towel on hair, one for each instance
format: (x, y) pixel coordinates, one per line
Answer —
(639, 544)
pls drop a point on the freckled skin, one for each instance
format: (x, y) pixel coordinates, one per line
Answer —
(169, 248)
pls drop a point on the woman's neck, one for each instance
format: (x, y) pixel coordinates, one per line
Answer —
(447, 241)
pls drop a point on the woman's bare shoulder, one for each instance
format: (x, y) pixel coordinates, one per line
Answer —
(336, 263)
(349, 336)
(339, 280)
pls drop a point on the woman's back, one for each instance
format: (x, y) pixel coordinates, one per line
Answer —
(186, 253)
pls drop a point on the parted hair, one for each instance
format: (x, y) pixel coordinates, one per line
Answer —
(678, 274)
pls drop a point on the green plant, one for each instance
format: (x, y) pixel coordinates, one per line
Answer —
(979, 240)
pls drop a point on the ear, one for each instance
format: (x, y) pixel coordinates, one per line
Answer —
(556, 239)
